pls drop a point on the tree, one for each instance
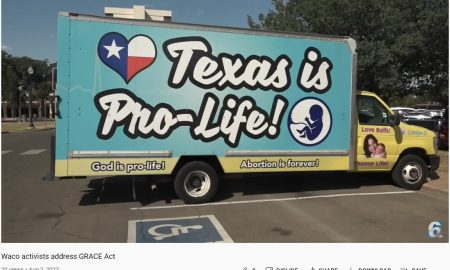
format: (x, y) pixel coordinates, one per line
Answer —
(402, 44)
(10, 82)
(14, 73)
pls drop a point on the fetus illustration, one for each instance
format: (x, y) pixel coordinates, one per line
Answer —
(313, 123)
(310, 121)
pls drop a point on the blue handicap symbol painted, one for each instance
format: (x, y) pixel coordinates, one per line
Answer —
(203, 229)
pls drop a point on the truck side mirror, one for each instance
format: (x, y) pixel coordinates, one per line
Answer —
(397, 119)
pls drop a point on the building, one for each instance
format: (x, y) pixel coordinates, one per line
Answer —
(139, 13)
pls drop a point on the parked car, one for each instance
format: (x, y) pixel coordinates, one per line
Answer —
(443, 131)
(436, 114)
(421, 118)
(418, 115)
(429, 118)
(403, 110)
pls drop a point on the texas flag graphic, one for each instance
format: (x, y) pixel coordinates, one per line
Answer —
(126, 57)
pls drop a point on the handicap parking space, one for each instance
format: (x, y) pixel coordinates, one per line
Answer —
(372, 216)
(195, 229)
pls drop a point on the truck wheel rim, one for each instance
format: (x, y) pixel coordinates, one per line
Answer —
(197, 183)
(412, 173)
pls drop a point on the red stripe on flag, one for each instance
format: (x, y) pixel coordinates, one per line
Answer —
(136, 64)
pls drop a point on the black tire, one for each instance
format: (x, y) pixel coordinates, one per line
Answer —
(196, 182)
(410, 172)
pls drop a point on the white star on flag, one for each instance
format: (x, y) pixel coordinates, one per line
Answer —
(113, 50)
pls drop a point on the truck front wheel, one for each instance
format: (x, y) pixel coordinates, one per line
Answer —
(196, 182)
(410, 172)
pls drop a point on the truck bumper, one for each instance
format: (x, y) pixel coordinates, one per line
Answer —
(434, 163)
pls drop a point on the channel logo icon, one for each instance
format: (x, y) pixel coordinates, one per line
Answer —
(435, 229)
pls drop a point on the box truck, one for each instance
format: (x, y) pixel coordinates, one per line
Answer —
(196, 101)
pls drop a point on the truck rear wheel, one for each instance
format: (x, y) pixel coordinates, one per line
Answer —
(410, 172)
(196, 182)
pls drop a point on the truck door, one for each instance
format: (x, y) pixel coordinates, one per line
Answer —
(377, 147)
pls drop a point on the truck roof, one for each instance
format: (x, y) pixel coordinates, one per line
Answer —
(346, 39)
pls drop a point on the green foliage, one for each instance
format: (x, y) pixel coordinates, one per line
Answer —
(402, 44)
(14, 74)
(9, 78)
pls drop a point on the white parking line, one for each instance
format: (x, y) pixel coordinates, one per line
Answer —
(33, 152)
(273, 200)
(6, 152)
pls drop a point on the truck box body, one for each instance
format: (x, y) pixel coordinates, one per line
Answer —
(135, 97)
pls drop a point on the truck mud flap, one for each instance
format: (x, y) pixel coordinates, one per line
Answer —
(51, 173)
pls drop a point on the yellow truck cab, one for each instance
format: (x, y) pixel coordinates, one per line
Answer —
(384, 143)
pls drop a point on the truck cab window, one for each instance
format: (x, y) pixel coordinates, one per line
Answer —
(371, 111)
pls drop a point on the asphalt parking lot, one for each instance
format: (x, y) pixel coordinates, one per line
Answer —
(270, 208)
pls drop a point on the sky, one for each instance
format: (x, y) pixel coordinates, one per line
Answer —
(29, 26)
